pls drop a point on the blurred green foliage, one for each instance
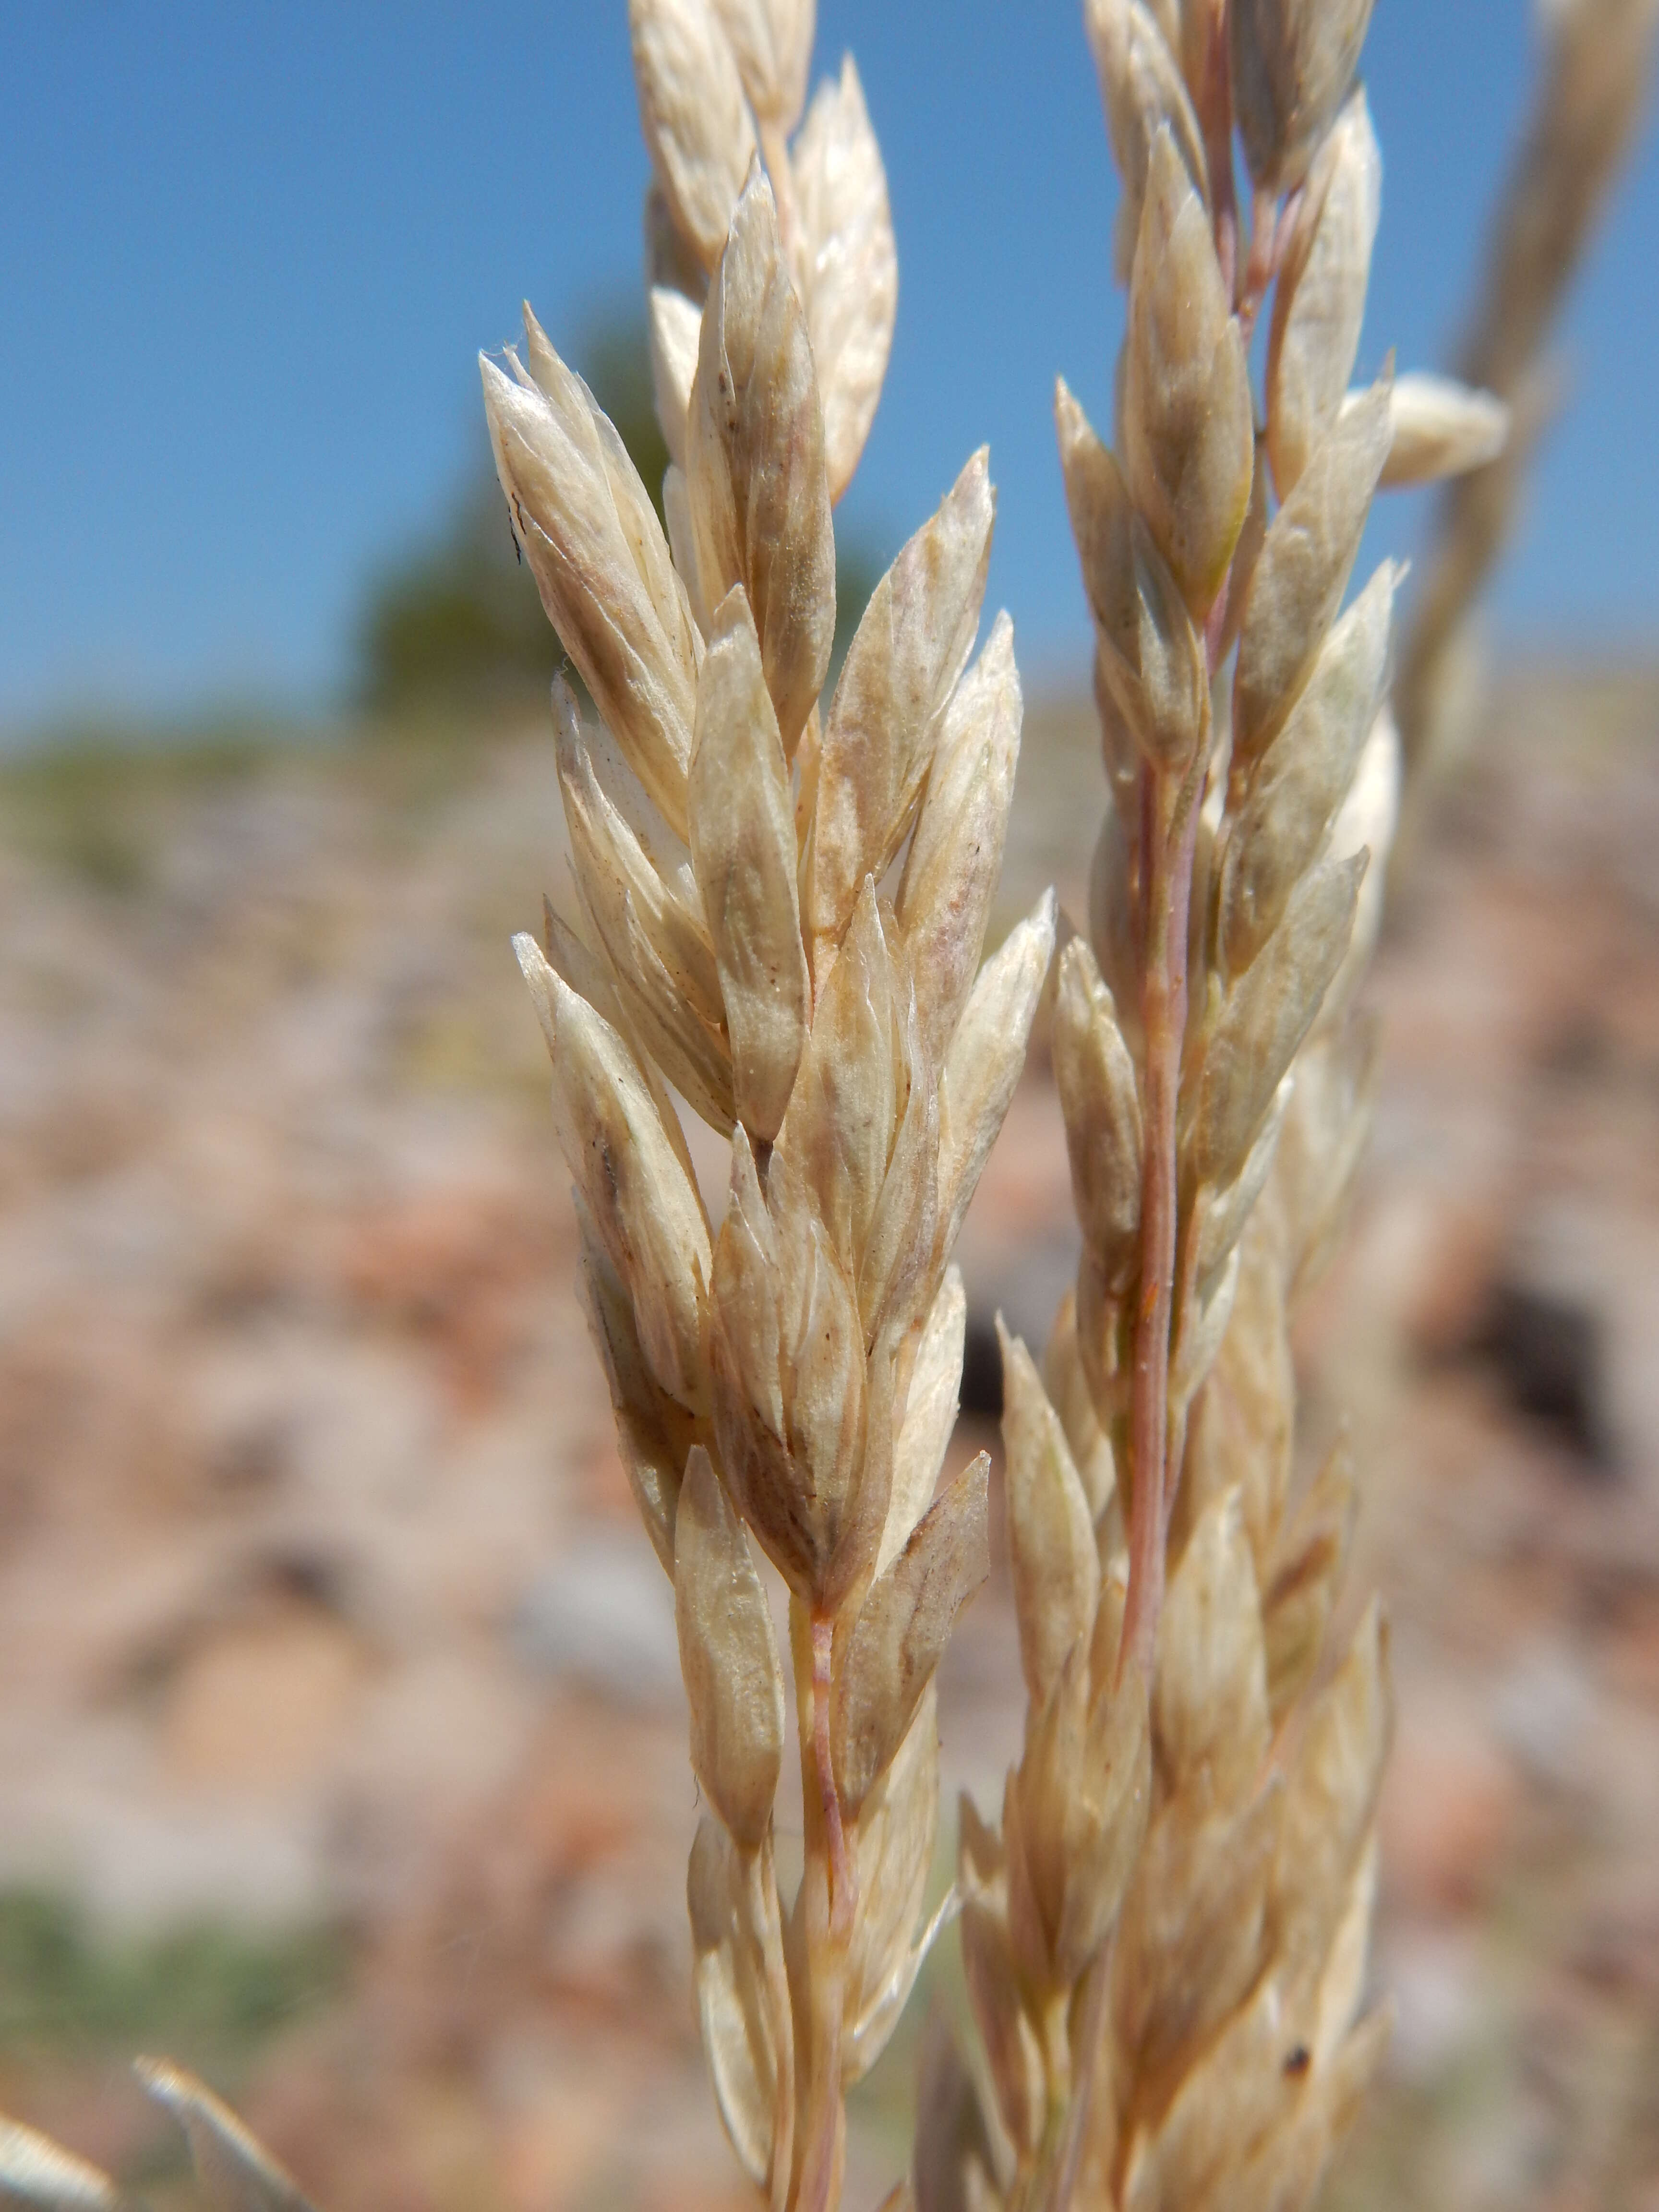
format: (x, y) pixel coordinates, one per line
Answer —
(86, 800)
(457, 624)
(206, 1995)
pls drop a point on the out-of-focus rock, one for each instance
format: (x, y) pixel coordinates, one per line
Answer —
(1455, 1253)
(1449, 1799)
(451, 1267)
(286, 1276)
(1550, 1350)
(1432, 1976)
(1546, 1710)
(256, 1708)
(604, 1613)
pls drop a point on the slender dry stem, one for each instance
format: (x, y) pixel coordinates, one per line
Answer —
(1594, 77)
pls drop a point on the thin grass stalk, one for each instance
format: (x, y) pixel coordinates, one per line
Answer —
(1594, 83)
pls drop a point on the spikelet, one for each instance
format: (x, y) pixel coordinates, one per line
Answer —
(1164, 1942)
(783, 900)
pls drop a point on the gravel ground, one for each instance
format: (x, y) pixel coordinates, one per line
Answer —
(320, 1600)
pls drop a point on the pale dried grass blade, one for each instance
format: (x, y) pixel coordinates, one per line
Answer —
(237, 2174)
(36, 2171)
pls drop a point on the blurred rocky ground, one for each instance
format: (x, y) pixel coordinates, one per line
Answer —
(341, 1749)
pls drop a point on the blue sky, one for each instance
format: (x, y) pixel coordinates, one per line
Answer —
(250, 254)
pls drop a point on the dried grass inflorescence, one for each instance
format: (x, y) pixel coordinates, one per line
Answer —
(782, 906)
(783, 901)
(1165, 1939)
